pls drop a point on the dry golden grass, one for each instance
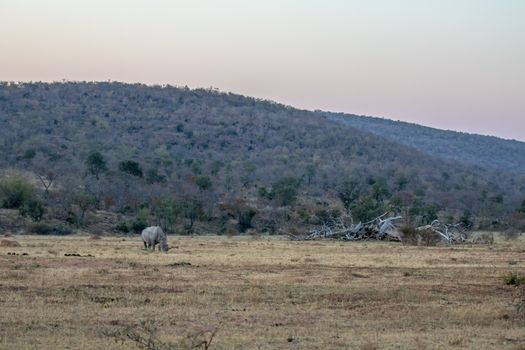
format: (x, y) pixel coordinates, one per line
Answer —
(262, 294)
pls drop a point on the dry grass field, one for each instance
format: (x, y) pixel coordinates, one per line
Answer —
(258, 294)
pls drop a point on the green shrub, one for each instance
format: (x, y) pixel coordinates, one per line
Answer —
(138, 225)
(62, 230)
(46, 229)
(34, 209)
(15, 191)
(96, 164)
(245, 219)
(410, 235)
(153, 176)
(264, 193)
(131, 167)
(367, 208)
(203, 182)
(122, 227)
(513, 279)
(41, 229)
(285, 190)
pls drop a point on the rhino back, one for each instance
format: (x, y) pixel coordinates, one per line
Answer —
(149, 234)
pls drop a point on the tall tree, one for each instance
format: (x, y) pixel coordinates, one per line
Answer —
(96, 164)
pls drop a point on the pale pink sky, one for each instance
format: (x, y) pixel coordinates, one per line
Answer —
(452, 64)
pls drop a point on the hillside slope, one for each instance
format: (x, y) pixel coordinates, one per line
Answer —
(228, 156)
(485, 151)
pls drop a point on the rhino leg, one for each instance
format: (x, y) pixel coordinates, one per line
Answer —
(145, 245)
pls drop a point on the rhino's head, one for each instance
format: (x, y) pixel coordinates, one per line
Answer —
(164, 245)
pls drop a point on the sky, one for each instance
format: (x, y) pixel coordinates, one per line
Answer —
(451, 64)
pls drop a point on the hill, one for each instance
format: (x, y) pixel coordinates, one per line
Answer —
(182, 157)
(486, 151)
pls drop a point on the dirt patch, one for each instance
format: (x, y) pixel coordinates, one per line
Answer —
(9, 243)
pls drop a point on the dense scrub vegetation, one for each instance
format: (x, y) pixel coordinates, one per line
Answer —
(486, 151)
(196, 160)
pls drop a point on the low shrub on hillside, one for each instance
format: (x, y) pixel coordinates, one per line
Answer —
(47, 229)
(34, 209)
(15, 191)
(122, 227)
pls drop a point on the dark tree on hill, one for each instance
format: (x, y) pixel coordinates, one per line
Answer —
(153, 176)
(131, 167)
(96, 164)
(349, 192)
(367, 208)
(203, 182)
(285, 190)
(85, 202)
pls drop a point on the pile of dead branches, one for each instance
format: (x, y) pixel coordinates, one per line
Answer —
(381, 228)
(448, 233)
(343, 228)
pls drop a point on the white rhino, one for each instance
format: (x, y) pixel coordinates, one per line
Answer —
(154, 235)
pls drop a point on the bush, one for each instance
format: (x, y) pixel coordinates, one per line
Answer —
(46, 229)
(511, 234)
(153, 176)
(34, 209)
(513, 279)
(15, 191)
(367, 208)
(62, 230)
(85, 202)
(167, 212)
(285, 190)
(41, 229)
(484, 238)
(245, 219)
(429, 237)
(138, 225)
(410, 235)
(122, 227)
(325, 216)
(203, 182)
(131, 167)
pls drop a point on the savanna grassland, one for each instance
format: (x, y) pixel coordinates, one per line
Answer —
(258, 294)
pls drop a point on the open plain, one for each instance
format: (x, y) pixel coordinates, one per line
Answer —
(257, 293)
